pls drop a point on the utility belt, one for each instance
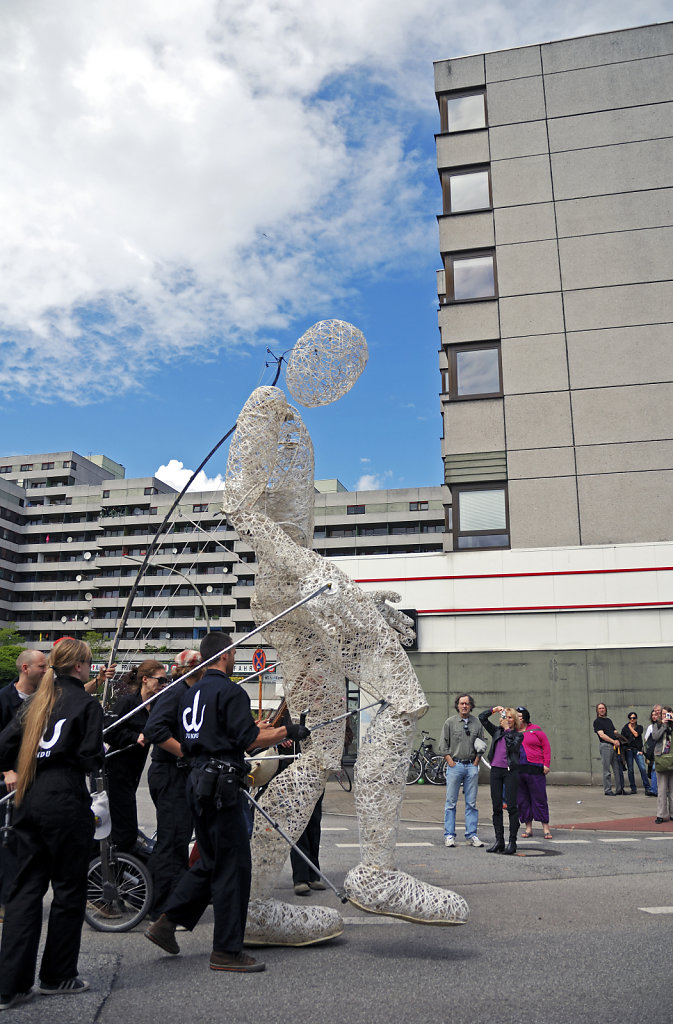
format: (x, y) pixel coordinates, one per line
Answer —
(216, 784)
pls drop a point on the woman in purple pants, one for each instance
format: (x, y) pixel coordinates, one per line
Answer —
(532, 794)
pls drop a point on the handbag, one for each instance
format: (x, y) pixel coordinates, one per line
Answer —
(663, 762)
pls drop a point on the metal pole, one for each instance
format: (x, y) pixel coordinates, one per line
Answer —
(185, 577)
(339, 893)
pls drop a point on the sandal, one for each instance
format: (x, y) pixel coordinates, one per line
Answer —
(548, 835)
(527, 835)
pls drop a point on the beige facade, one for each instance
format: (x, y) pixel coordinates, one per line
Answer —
(556, 291)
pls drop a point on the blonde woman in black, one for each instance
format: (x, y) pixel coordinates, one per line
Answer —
(57, 742)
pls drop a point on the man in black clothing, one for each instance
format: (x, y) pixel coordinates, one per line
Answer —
(217, 728)
(610, 741)
(167, 780)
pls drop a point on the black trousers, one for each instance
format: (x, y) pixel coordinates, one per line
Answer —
(52, 839)
(221, 874)
(511, 780)
(122, 785)
(170, 857)
(308, 843)
(8, 865)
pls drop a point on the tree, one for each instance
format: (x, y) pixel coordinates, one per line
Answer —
(8, 655)
(98, 644)
(11, 636)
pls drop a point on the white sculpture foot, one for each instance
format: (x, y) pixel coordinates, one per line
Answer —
(272, 923)
(397, 894)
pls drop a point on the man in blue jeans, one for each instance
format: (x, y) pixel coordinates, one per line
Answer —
(457, 745)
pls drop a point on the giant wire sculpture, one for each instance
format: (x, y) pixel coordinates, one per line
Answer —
(346, 632)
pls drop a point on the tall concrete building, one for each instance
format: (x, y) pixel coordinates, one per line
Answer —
(556, 291)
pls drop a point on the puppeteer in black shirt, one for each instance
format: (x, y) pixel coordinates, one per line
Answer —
(216, 721)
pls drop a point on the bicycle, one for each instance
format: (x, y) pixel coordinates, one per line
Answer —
(343, 777)
(426, 763)
(119, 888)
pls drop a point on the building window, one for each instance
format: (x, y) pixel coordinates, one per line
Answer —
(355, 510)
(5, 469)
(47, 465)
(475, 371)
(199, 508)
(463, 111)
(150, 490)
(69, 464)
(470, 276)
(418, 506)
(373, 531)
(481, 517)
(106, 494)
(27, 466)
(466, 190)
(341, 531)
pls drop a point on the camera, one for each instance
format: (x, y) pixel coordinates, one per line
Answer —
(503, 715)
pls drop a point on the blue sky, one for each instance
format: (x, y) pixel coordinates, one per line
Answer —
(185, 185)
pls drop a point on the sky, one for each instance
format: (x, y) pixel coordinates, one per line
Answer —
(184, 187)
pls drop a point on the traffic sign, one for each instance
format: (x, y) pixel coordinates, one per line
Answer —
(258, 660)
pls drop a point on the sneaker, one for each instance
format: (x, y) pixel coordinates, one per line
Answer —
(162, 934)
(70, 987)
(449, 841)
(318, 886)
(240, 962)
(302, 888)
(474, 841)
(7, 1002)
(100, 908)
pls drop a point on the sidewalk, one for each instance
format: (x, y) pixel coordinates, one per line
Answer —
(570, 807)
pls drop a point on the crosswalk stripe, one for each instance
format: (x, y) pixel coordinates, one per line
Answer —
(618, 839)
(656, 910)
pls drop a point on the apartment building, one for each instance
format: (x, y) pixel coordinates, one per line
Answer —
(73, 531)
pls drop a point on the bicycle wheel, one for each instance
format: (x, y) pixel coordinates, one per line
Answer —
(344, 779)
(415, 769)
(121, 903)
(435, 770)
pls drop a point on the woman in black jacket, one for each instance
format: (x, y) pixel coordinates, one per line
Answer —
(504, 756)
(57, 741)
(125, 769)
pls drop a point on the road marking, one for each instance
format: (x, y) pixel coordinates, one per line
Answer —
(335, 828)
(619, 840)
(657, 839)
(568, 842)
(414, 844)
(347, 846)
(423, 828)
(656, 910)
(368, 920)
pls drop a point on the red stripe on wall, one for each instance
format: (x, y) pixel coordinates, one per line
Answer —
(513, 575)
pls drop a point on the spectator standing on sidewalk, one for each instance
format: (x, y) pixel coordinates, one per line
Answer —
(462, 760)
(663, 759)
(633, 749)
(610, 741)
(648, 747)
(532, 793)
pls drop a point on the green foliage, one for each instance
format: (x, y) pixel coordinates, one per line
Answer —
(98, 644)
(10, 636)
(8, 655)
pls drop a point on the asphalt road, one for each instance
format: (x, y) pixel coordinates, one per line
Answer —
(558, 934)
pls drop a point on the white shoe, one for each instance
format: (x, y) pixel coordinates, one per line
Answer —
(449, 841)
(396, 894)
(474, 841)
(272, 923)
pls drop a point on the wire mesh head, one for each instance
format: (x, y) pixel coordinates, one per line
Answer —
(326, 362)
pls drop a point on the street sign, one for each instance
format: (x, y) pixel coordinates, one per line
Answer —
(258, 660)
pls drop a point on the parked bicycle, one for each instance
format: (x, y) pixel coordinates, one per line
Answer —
(343, 777)
(424, 762)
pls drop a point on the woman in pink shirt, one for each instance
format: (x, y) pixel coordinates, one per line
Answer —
(532, 794)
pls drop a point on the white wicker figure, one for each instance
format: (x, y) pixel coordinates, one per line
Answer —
(345, 632)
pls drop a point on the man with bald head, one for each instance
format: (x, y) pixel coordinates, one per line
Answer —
(30, 666)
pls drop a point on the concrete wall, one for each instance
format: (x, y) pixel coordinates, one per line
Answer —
(560, 689)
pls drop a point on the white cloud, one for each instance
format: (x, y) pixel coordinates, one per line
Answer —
(176, 474)
(374, 481)
(182, 177)
(365, 460)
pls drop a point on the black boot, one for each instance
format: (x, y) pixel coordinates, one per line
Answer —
(499, 844)
(511, 846)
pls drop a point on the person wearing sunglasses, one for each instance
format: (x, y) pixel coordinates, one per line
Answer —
(457, 744)
(128, 751)
(633, 748)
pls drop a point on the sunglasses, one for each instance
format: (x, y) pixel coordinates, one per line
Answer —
(160, 679)
(467, 731)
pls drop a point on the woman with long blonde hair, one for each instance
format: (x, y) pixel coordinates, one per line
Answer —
(54, 745)
(504, 758)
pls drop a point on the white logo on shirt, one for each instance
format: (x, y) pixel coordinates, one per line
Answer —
(48, 744)
(195, 724)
